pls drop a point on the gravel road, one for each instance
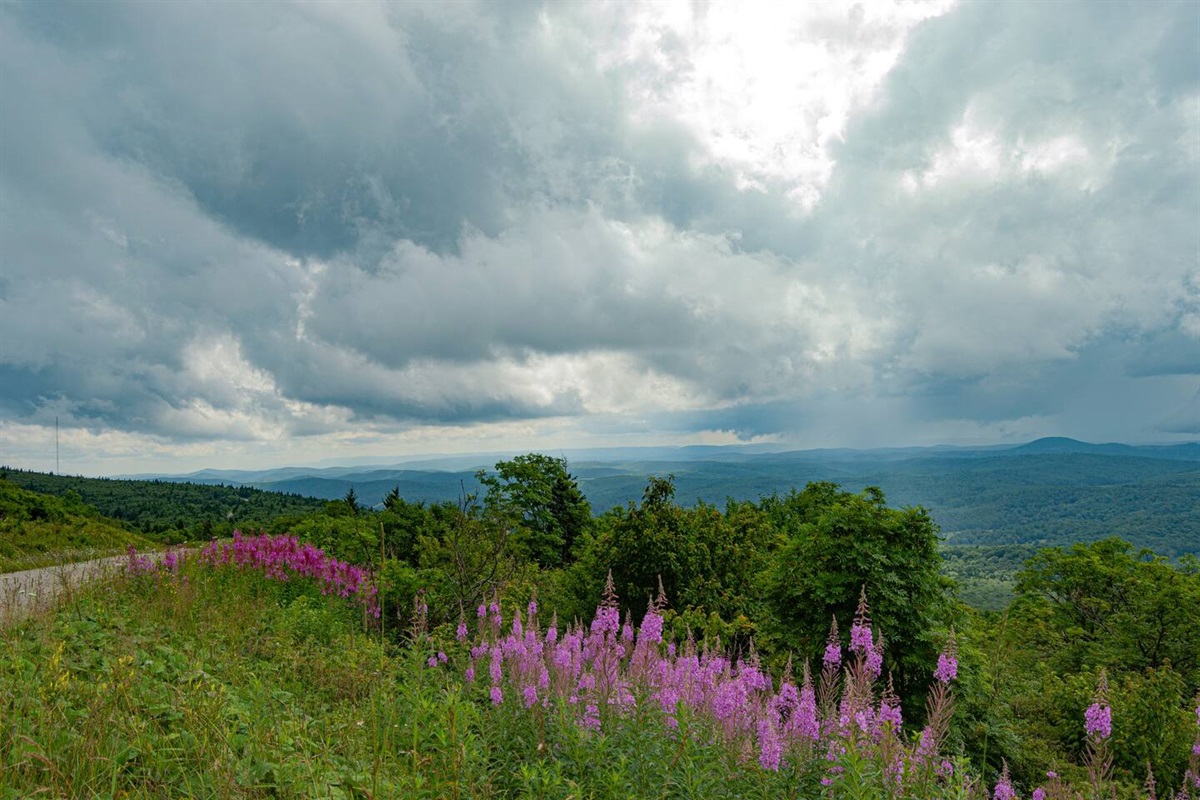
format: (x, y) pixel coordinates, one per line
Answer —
(22, 593)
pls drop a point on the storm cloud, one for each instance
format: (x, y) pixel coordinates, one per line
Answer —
(236, 229)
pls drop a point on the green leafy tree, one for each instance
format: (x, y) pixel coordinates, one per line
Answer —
(840, 543)
(543, 499)
(1100, 604)
(708, 562)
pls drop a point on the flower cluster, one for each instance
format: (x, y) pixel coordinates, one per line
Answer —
(279, 558)
(283, 556)
(610, 668)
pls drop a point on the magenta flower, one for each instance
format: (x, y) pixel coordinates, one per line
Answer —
(770, 749)
(833, 649)
(861, 641)
(1004, 789)
(874, 663)
(1098, 721)
(947, 668)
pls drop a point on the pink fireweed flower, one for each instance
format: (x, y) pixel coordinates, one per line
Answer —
(833, 649)
(807, 723)
(947, 663)
(874, 664)
(770, 749)
(861, 641)
(496, 695)
(652, 627)
(947, 668)
(1097, 720)
(889, 707)
(1039, 794)
(860, 638)
(496, 667)
(1004, 789)
(590, 718)
(461, 632)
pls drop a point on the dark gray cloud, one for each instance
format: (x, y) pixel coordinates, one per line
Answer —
(234, 222)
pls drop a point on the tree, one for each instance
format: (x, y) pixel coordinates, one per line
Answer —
(1099, 604)
(840, 543)
(545, 503)
(708, 562)
(1103, 606)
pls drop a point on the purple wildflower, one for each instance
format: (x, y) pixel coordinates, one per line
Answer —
(1098, 717)
(947, 663)
(861, 641)
(833, 649)
(874, 663)
(1004, 789)
(770, 749)
(947, 668)
(1098, 721)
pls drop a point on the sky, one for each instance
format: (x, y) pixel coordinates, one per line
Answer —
(258, 234)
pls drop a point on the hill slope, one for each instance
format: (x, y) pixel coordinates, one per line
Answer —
(38, 529)
(169, 509)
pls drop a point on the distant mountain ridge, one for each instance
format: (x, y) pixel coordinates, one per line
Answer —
(1189, 451)
(1045, 492)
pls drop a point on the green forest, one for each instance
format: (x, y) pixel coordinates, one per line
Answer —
(167, 511)
(1036, 629)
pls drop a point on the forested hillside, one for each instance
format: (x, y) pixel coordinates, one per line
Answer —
(169, 510)
(38, 529)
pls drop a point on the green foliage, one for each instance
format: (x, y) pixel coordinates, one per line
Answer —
(37, 530)
(343, 536)
(985, 574)
(172, 512)
(1077, 611)
(544, 500)
(840, 544)
(1101, 605)
(707, 561)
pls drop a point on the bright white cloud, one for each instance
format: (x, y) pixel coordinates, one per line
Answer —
(767, 87)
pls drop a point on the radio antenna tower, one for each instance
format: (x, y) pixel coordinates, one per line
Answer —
(56, 446)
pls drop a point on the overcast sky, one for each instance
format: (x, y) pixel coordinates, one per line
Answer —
(256, 234)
